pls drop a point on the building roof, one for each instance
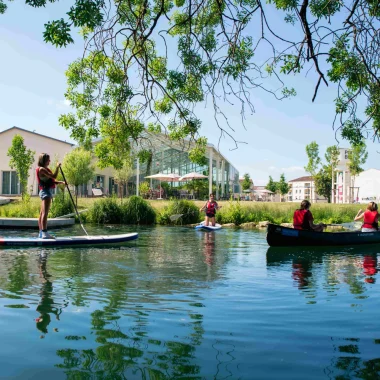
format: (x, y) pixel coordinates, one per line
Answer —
(302, 179)
(38, 134)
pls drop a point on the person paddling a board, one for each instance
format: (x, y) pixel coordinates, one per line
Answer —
(46, 183)
(210, 206)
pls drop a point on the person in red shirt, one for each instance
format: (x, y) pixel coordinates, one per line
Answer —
(303, 219)
(370, 218)
(46, 182)
(210, 206)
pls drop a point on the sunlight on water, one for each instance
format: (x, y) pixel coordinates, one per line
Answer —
(191, 304)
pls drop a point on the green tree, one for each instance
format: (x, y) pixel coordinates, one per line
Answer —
(175, 53)
(282, 186)
(78, 168)
(247, 182)
(357, 156)
(312, 151)
(122, 176)
(21, 159)
(323, 182)
(272, 185)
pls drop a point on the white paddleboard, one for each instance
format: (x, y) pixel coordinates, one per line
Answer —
(210, 227)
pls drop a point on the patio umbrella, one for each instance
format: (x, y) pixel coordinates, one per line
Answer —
(193, 175)
(164, 177)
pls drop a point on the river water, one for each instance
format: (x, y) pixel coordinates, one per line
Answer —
(180, 303)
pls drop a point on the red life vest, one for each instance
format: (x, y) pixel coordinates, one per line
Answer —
(42, 185)
(211, 207)
(301, 219)
(370, 220)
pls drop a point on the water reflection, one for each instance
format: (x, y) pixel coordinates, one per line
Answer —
(349, 363)
(209, 247)
(370, 268)
(302, 272)
(350, 266)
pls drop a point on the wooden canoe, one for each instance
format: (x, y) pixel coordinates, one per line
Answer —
(278, 236)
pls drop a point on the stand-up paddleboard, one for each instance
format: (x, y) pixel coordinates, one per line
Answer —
(68, 241)
(210, 227)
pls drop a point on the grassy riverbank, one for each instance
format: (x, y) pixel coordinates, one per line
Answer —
(231, 212)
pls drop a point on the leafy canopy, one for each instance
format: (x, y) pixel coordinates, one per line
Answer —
(282, 185)
(78, 167)
(271, 185)
(147, 64)
(247, 182)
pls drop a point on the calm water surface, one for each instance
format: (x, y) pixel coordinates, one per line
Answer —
(180, 303)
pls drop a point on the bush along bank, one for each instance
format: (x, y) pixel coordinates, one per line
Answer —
(136, 210)
(259, 213)
(179, 212)
(133, 210)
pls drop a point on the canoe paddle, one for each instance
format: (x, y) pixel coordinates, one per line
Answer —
(72, 200)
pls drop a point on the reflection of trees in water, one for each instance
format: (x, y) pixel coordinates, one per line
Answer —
(349, 367)
(354, 268)
(123, 353)
(158, 271)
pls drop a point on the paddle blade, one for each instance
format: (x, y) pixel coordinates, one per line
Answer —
(175, 217)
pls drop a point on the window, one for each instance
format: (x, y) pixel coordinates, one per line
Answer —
(98, 182)
(10, 183)
(346, 154)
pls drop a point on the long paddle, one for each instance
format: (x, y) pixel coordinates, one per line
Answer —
(72, 200)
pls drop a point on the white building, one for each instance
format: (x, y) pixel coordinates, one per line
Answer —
(9, 183)
(303, 188)
(367, 186)
(168, 157)
(342, 186)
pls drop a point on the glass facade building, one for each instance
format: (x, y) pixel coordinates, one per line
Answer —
(173, 157)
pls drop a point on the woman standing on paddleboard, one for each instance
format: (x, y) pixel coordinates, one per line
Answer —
(46, 183)
(211, 206)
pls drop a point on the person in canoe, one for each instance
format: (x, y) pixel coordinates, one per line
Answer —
(46, 183)
(303, 219)
(370, 218)
(210, 206)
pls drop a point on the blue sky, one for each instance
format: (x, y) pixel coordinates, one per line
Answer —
(32, 87)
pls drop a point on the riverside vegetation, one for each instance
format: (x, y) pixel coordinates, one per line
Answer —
(135, 210)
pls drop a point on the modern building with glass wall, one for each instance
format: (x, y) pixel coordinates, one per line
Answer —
(172, 157)
(167, 157)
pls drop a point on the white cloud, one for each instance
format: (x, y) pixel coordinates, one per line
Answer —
(60, 104)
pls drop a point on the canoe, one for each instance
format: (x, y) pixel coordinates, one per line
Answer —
(68, 241)
(278, 236)
(201, 226)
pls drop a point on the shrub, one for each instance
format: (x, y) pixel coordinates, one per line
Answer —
(188, 210)
(233, 213)
(21, 209)
(105, 210)
(61, 205)
(136, 210)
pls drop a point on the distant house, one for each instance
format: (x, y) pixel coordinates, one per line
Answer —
(303, 188)
(9, 182)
